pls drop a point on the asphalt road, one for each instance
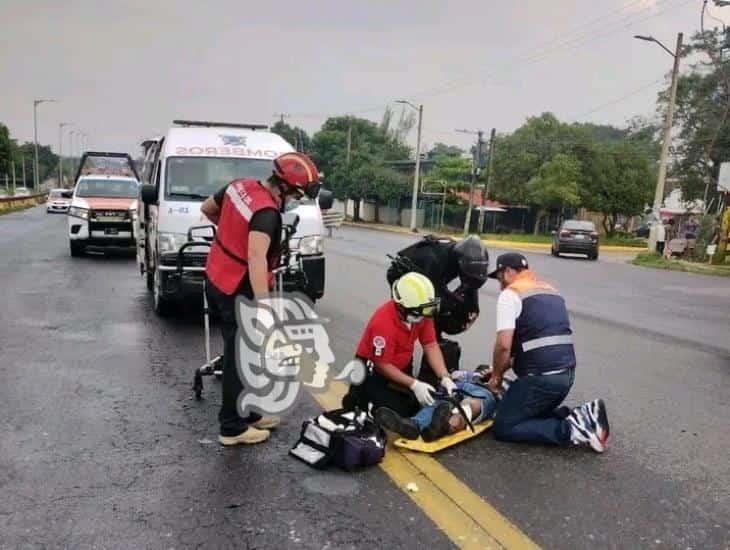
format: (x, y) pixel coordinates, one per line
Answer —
(102, 445)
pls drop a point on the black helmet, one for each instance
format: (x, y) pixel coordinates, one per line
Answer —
(473, 261)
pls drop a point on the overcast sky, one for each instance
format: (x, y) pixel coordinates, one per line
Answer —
(123, 71)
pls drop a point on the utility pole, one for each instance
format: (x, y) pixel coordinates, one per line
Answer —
(12, 167)
(60, 151)
(474, 173)
(22, 159)
(662, 173)
(417, 171)
(414, 200)
(485, 191)
(282, 116)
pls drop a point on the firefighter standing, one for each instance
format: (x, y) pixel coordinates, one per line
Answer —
(241, 262)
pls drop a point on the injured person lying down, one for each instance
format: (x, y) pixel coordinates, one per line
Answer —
(469, 404)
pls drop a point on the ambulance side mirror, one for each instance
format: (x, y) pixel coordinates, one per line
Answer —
(148, 193)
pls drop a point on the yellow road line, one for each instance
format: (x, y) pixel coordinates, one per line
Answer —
(461, 514)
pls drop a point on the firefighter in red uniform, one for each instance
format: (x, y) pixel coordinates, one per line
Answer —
(241, 260)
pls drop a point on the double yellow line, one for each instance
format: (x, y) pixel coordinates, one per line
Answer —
(459, 512)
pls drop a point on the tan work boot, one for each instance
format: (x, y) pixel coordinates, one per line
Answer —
(250, 436)
(267, 423)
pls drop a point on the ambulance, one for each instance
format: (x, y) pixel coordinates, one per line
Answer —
(183, 168)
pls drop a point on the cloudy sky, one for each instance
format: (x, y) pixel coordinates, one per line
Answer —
(123, 70)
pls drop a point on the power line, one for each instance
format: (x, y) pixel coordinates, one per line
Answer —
(619, 99)
(563, 44)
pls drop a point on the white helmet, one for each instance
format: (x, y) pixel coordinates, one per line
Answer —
(415, 296)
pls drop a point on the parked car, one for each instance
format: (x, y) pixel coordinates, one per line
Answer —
(576, 237)
(58, 200)
(22, 192)
(642, 231)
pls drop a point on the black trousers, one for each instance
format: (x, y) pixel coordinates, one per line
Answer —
(231, 423)
(381, 393)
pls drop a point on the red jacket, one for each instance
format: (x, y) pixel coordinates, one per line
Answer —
(227, 262)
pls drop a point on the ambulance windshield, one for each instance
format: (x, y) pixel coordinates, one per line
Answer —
(197, 178)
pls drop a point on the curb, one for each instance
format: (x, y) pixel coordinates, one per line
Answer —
(488, 242)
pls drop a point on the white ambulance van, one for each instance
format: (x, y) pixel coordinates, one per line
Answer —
(180, 170)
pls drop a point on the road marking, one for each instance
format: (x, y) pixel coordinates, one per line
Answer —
(459, 512)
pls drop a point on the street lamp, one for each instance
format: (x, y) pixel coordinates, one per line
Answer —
(37, 102)
(61, 126)
(414, 200)
(662, 174)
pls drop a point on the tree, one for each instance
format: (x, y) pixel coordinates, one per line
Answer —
(7, 151)
(295, 136)
(443, 150)
(371, 146)
(455, 171)
(617, 180)
(520, 155)
(702, 115)
(554, 186)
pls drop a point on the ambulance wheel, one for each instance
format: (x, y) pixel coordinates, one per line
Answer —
(198, 386)
(161, 304)
(77, 248)
(150, 280)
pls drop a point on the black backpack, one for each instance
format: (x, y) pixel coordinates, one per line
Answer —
(347, 439)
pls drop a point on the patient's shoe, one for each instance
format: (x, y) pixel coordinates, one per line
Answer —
(392, 421)
(439, 425)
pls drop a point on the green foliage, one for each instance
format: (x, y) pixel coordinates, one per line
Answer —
(702, 116)
(453, 170)
(618, 179)
(443, 150)
(372, 146)
(555, 186)
(295, 136)
(7, 151)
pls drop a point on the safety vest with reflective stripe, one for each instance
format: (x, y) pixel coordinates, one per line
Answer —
(543, 341)
(227, 261)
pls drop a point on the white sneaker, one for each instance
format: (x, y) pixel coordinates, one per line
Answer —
(589, 425)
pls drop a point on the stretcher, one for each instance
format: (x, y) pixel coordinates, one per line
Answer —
(445, 442)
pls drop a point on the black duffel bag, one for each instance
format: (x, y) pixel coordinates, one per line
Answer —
(347, 439)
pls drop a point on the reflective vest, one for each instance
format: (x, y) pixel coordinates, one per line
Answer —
(543, 341)
(227, 261)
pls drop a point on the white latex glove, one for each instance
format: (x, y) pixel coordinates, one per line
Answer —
(448, 384)
(422, 391)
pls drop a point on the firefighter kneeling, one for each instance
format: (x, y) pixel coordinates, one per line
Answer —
(401, 403)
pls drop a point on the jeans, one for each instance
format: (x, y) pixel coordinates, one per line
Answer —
(231, 423)
(423, 417)
(527, 411)
(380, 392)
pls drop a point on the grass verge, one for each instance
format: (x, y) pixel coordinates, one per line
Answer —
(646, 259)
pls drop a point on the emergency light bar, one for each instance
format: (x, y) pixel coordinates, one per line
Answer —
(209, 124)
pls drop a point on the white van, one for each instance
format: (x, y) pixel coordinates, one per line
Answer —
(182, 169)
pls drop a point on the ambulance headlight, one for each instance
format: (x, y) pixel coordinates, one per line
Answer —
(314, 244)
(171, 242)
